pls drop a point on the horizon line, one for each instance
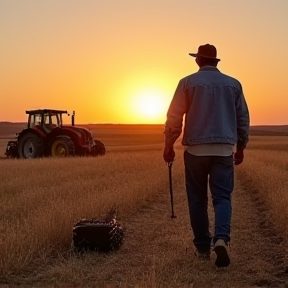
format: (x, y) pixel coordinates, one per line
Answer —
(111, 123)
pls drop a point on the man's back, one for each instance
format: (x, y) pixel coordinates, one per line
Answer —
(215, 108)
(214, 101)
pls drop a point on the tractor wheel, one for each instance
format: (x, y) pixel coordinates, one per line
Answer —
(62, 147)
(30, 146)
(99, 148)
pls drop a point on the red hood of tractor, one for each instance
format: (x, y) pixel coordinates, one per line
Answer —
(81, 132)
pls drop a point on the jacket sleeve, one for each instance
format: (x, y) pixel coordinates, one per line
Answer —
(176, 111)
(243, 121)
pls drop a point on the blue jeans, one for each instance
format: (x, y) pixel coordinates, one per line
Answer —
(219, 171)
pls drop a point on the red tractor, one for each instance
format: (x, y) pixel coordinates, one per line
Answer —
(47, 136)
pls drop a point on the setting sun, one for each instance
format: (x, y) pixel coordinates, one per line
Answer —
(150, 106)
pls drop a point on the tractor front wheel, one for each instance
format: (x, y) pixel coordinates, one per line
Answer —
(99, 148)
(62, 147)
(30, 146)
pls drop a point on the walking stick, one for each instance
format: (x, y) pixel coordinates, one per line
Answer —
(171, 190)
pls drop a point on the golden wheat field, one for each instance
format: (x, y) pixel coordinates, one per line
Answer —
(41, 199)
(266, 171)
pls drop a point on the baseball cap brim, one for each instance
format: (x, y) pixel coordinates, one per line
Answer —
(193, 54)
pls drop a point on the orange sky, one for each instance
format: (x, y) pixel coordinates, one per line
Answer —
(120, 61)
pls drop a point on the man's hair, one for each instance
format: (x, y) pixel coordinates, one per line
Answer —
(208, 61)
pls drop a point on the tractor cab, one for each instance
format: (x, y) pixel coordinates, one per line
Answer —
(45, 119)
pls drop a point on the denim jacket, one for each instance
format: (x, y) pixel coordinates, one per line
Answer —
(214, 107)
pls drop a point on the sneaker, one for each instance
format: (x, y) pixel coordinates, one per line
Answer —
(222, 253)
(202, 255)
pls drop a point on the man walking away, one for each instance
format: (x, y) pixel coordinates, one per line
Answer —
(216, 120)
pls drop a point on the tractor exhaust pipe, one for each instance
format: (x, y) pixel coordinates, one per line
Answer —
(73, 118)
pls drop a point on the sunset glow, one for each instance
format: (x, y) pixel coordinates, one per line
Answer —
(149, 106)
(116, 66)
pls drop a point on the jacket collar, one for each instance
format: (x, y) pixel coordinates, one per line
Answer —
(209, 68)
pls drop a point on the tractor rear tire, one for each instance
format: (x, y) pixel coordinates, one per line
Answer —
(99, 148)
(62, 147)
(30, 146)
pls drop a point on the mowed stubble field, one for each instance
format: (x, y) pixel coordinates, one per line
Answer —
(41, 199)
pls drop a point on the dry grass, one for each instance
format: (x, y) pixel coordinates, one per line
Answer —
(3, 144)
(127, 135)
(275, 143)
(40, 200)
(264, 173)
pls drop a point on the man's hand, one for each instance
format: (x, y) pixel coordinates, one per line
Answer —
(168, 154)
(238, 156)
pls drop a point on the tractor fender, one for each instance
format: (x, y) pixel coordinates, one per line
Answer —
(39, 133)
(78, 135)
(73, 130)
(34, 130)
(73, 134)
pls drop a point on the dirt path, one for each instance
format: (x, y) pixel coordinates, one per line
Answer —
(258, 254)
(158, 251)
